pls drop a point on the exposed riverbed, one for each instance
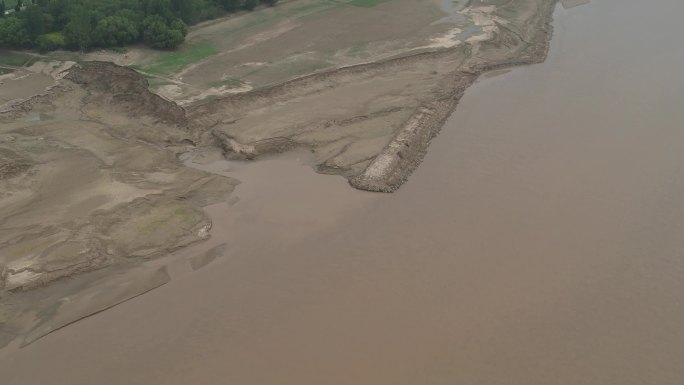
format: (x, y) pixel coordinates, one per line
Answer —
(540, 242)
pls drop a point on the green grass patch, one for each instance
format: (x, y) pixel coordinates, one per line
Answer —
(10, 4)
(152, 80)
(312, 7)
(359, 50)
(172, 62)
(202, 101)
(17, 59)
(255, 21)
(4, 71)
(366, 3)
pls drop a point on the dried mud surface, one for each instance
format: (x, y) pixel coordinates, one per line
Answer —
(90, 176)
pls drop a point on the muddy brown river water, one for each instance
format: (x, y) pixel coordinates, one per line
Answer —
(540, 242)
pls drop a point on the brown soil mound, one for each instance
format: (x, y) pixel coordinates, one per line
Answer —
(11, 164)
(125, 88)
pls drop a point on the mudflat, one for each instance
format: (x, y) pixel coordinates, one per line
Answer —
(89, 179)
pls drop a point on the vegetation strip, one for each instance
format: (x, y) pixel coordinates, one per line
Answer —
(49, 25)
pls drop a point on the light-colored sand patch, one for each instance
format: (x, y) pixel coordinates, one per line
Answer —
(484, 17)
(22, 84)
(55, 69)
(132, 56)
(254, 64)
(169, 91)
(216, 91)
(488, 33)
(480, 15)
(567, 4)
(448, 40)
(21, 278)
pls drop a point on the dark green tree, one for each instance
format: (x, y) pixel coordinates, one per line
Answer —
(35, 21)
(250, 4)
(114, 31)
(83, 24)
(78, 32)
(159, 34)
(130, 15)
(50, 42)
(59, 10)
(184, 9)
(231, 5)
(13, 33)
(158, 7)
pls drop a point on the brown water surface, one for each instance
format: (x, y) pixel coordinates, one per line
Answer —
(541, 242)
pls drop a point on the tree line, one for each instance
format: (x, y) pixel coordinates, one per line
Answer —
(49, 25)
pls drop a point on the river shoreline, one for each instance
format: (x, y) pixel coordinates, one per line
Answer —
(405, 152)
(113, 107)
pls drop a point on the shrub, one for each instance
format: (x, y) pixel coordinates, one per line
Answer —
(115, 31)
(50, 41)
(160, 34)
(13, 33)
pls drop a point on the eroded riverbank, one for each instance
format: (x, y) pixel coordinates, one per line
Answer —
(91, 177)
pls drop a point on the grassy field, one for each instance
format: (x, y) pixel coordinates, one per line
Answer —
(16, 59)
(366, 3)
(10, 4)
(173, 62)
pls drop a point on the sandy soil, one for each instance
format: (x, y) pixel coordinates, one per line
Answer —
(89, 178)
